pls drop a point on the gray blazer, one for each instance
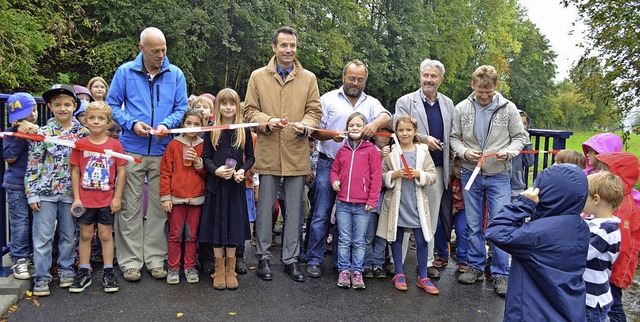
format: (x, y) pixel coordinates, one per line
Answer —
(411, 104)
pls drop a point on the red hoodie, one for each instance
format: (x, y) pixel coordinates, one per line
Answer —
(359, 171)
(625, 165)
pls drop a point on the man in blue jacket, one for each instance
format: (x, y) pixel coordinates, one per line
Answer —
(146, 93)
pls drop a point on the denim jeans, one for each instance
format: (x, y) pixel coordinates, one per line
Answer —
(442, 244)
(616, 312)
(598, 314)
(495, 192)
(44, 226)
(352, 221)
(375, 245)
(324, 200)
(18, 223)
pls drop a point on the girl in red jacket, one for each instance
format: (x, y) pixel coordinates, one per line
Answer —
(357, 177)
(182, 175)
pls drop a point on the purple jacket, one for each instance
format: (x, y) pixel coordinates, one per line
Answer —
(359, 171)
(601, 143)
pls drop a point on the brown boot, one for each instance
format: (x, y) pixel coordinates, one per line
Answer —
(232, 281)
(218, 276)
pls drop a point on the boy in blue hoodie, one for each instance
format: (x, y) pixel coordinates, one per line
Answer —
(520, 163)
(549, 251)
(23, 112)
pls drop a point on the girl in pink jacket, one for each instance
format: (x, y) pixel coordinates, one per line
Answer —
(356, 176)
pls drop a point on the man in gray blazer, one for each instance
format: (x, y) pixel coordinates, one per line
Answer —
(434, 112)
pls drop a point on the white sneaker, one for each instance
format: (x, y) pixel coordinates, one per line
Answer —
(21, 269)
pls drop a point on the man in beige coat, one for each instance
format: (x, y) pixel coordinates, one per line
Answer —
(283, 91)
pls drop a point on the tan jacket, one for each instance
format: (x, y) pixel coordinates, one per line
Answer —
(388, 220)
(282, 152)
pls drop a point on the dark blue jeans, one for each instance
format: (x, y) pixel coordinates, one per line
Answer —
(442, 244)
(19, 226)
(616, 313)
(324, 199)
(597, 314)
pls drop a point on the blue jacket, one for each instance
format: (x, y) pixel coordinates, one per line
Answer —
(162, 100)
(17, 149)
(549, 253)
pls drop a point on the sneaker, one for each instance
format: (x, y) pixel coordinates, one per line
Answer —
(471, 276)
(109, 281)
(500, 283)
(367, 272)
(191, 274)
(66, 279)
(440, 262)
(21, 269)
(427, 286)
(82, 280)
(131, 275)
(253, 241)
(378, 272)
(158, 272)
(173, 277)
(400, 282)
(463, 267)
(356, 281)
(41, 287)
(343, 279)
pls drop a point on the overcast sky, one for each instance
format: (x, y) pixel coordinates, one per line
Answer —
(556, 23)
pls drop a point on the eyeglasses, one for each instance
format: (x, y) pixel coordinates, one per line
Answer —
(98, 86)
(353, 79)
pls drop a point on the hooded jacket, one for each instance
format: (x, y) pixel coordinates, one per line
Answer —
(359, 171)
(162, 100)
(549, 253)
(625, 166)
(601, 143)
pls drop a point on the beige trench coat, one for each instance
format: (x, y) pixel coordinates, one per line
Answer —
(282, 152)
(388, 220)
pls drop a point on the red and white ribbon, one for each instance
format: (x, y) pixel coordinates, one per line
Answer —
(71, 144)
(476, 171)
(212, 128)
(404, 161)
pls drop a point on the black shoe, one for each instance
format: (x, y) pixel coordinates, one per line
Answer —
(264, 270)
(293, 270)
(378, 272)
(314, 271)
(241, 266)
(367, 272)
(433, 273)
(109, 281)
(83, 279)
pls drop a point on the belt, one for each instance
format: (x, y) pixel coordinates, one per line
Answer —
(324, 157)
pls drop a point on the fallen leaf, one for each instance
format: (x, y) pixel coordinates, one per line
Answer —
(28, 293)
(12, 309)
(179, 314)
(35, 302)
(252, 268)
(232, 313)
(482, 311)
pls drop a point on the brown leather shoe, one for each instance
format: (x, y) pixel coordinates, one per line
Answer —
(432, 272)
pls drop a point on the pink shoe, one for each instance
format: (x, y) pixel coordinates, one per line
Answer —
(400, 282)
(427, 286)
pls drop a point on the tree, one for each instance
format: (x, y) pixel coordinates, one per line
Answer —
(613, 35)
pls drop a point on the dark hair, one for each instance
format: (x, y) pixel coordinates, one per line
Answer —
(286, 30)
(193, 112)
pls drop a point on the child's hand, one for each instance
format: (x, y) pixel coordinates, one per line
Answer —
(532, 193)
(340, 136)
(116, 205)
(310, 177)
(191, 155)
(27, 127)
(336, 186)
(35, 206)
(225, 173)
(385, 151)
(400, 173)
(167, 206)
(239, 175)
(76, 203)
(369, 208)
(414, 173)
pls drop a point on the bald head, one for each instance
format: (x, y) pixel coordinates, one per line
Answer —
(153, 47)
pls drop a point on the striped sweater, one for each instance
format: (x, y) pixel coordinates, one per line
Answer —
(604, 246)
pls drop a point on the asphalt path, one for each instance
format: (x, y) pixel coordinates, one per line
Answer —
(277, 300)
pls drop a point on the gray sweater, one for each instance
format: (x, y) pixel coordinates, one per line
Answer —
(504, 134)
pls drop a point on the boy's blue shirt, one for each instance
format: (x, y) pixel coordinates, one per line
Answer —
(48, 173)
(18, 149)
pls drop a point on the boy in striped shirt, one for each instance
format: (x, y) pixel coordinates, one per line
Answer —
(605, 195)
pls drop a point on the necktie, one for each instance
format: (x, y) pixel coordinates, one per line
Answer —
(284, 74)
